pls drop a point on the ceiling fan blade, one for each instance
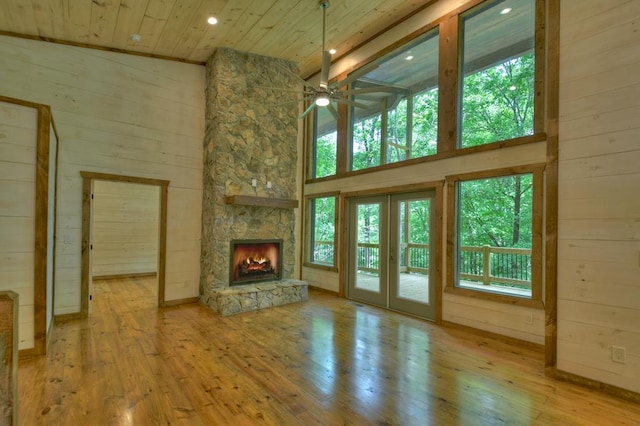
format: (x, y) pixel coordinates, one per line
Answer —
(308, 110)
(333, 111)
(324, 71)
(381, 89)
(299, 79)
(351, 103)
(280, 89)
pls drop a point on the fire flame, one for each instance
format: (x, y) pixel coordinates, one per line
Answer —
(259, 260)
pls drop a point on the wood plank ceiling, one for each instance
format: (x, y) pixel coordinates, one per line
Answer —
(178, 29)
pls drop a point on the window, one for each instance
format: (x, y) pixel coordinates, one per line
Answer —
(321, 227)
(400, 108)
(395, 116)
(498, 72)
(495, 225)
(326, 140)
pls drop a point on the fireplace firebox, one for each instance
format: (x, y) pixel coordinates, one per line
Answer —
(255, 260)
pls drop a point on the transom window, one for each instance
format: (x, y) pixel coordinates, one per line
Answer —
(498, 72)
(397, 118)
(326, 141)
(404, 114)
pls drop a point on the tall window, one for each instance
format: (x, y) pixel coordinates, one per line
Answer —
(497, 232)
(498, 72)
(395, 117)
(321, 230)
(326, 140)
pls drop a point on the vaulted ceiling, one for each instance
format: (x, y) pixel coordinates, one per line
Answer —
(178, 29)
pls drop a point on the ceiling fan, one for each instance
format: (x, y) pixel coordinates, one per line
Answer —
(324, 94)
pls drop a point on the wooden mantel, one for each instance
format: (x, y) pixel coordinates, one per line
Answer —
(249, 200)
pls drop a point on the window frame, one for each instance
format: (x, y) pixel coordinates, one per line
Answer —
(313, 148)
(538, 81)
(308, 231)
(451, 282)
(427, 34)
(448, 30)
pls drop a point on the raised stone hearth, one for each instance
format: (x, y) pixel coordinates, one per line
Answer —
(251, 297)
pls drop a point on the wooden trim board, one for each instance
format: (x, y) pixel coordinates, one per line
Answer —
(87, 178)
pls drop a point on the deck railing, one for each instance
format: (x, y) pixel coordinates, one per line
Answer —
(486, 264)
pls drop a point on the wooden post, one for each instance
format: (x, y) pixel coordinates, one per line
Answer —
(8, 358)
(486, 264)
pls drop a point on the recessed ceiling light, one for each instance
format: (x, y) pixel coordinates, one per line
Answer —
(332, 51)
(212, 20)
(410, 57)
(505, 11)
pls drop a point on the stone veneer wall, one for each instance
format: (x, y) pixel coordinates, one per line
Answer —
(249, 134)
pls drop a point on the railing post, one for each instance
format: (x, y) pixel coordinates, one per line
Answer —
(486, 264)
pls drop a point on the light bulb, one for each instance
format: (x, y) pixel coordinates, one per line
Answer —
(322, 99)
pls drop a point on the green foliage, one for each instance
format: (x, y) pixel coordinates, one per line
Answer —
(496, 211)
(497, 103)
(425, 123)
(366, 143)
(323, 229)
(325, 155)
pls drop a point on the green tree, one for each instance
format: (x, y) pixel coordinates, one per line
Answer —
(497, 103)
(325, 155)
(496, 211)
(366, 143)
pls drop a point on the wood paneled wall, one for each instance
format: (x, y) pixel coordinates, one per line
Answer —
(125, 228)
(117, 114)
(18, 138)
(599, 191)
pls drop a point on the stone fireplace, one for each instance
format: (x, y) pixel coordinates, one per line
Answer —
(250, 153)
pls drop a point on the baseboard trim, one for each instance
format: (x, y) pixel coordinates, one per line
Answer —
(323, 290)
(176, 302)
(26, 353)
(612, 390)
(120, 276)
(66, 317)
(495, 336)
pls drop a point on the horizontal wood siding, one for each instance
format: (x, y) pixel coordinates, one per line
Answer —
(599, 187)
(117, 114)
(18, 136)
(125, 228)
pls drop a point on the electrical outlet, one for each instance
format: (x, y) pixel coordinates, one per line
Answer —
(618, 354)
(254, 182)
(268, 184)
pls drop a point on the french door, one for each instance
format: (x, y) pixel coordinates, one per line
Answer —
(391, 252)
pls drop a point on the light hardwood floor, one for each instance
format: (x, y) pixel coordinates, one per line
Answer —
(328, 361)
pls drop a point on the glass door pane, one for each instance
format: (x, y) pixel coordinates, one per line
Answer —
(367, 260)
(410, 254)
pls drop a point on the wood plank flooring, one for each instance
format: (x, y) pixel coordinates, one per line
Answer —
(328, 361)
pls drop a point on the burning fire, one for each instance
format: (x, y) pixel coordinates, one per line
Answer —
(259, 260)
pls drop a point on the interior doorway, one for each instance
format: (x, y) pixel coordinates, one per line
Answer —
(391, 256)
(128, 268)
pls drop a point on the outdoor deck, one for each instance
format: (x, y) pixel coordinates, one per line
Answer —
(416, 286)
